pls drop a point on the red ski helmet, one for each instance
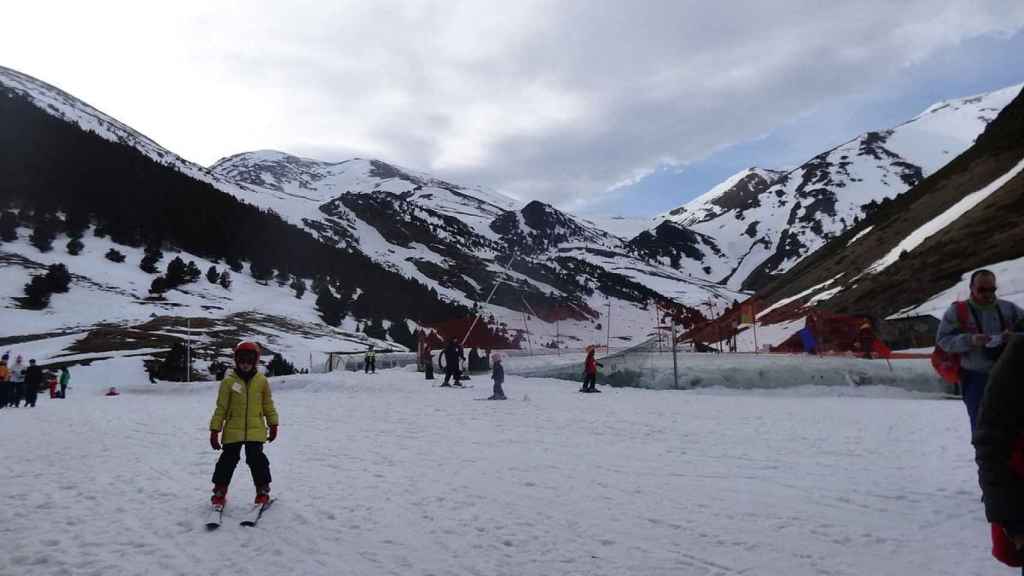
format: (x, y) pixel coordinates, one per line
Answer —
(248, 350)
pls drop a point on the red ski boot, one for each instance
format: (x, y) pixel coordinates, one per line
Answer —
(220, 495)
(262, 494)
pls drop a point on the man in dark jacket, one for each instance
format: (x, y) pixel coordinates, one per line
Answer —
(999, 445)
(452, 356)
(979, 343)
(33, 379)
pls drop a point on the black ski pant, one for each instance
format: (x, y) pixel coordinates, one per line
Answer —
(63, 390)
(16, 391)
(4, 387)
(259, 466)
(30, 395)
(498, 392)
(370, 366)
(449, 372)
(589, 381)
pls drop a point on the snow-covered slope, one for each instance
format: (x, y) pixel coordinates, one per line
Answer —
(767, 221)
(427, 481)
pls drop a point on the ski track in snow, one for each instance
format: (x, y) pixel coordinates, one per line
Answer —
(386, 475)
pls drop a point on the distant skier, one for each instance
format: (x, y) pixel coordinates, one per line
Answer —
(370, 361)
(33, 379)
(590, 372)
(245, 410)
(65, 379)
(452, 355)
(498, 375)
(17, 389)
(5, 375)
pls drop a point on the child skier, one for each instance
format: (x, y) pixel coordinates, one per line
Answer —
(498, 375)
(244, 403)
(590, 372)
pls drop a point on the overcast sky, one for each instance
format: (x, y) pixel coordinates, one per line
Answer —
(594, 106)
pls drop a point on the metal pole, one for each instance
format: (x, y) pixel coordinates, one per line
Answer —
(188, 350)
(558, 340)
(675, 361)
(608, 339)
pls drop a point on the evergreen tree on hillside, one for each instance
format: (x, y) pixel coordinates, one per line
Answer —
(37, 294)
(399, 332)
(278, 366)
(192, 272)
(234, 263)
(158, 285)
(148, 263)
(375, 329)
(260, 271)
(225, 280)
(77, 220)
(299, 285)
(44, 232)
(114, 256)
(282, 277)
(212, 276)
(75, 246)
(176, 274)
(8, 226)
(58, 279)
(331, 308)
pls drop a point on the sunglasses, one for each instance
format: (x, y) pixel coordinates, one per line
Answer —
(986, 290)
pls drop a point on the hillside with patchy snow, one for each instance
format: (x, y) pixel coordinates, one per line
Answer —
(555, 279)
(913, 255)
(767, 221)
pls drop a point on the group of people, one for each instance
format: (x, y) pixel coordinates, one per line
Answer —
(20, 382)
(985, 332)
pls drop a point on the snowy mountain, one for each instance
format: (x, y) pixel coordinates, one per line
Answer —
(393, 245)
(912, 255)
(767, 221)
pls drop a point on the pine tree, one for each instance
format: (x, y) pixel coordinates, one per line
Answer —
(299, 285)
(158, 285)
(75, 246)
(176, 272)
(37, 293)
(225, 280)
(114, 256)
(58, 279)
(192, 272)
(330, 307)
(212, 275)
(234, 263)
(283, 277)
(399, 332)
(260, 271)
(43, 234)
(375, 329)
(148, 263)
(278, 366)
(8, 226)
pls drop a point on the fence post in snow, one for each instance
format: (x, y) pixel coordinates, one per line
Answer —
(675, 361)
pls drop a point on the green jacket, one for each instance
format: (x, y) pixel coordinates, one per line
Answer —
(242, 408)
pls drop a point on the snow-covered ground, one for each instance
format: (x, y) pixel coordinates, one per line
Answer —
(385, 474)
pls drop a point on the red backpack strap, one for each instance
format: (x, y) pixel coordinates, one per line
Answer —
(963, 315)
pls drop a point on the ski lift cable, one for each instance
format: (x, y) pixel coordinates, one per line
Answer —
(488, 301)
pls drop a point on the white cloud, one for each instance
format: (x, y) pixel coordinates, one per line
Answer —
(559, 101)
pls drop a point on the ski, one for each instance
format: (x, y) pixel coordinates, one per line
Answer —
(255, 514)
(214, 517)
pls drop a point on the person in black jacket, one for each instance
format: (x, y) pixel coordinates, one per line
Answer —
(999, 447)
(33, 379)
(452, 355)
